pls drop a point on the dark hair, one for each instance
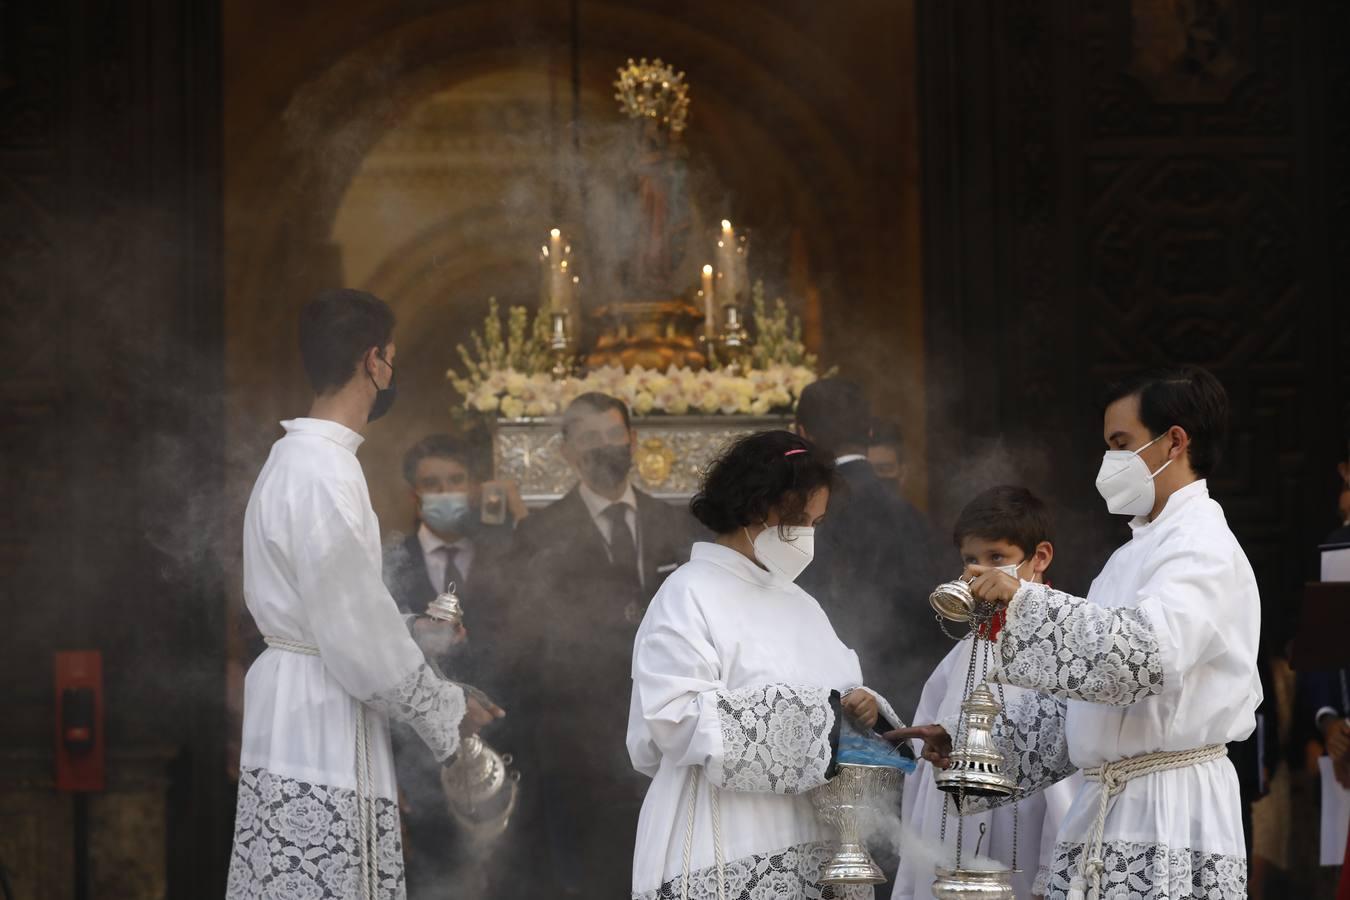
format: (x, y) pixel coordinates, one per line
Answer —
(884, 434)
(1005, 513)
(337, 327)
(443, 446)
(593, 402)
(1188, 396)
(835, 414)
(758, 473)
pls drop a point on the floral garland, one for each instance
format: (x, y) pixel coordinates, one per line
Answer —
(675, 392)
(508, 373)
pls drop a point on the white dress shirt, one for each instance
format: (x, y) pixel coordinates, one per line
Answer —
(596, 506)
(435, 559)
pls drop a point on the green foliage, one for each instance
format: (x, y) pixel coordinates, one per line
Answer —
(778, 334)
(520, 345)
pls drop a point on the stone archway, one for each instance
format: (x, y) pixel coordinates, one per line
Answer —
(779, 118)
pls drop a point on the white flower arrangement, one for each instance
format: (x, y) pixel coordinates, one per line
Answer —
(509, 375)
(677, 391)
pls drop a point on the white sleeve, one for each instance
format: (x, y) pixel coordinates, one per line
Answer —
(1058, 799)
(771, 738)
(1070, 647)
(362, 638)
(935, 689)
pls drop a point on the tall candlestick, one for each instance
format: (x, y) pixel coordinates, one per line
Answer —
(726, 264)
(709, 306)
(557, 265)
(742, 266)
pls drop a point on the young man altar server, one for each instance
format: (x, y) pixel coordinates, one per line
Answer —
(318, 813)
(1148, 677)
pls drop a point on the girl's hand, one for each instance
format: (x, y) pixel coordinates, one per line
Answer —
(861, 707)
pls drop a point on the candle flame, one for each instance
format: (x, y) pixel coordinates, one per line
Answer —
(555, 233)
(707, 270)
(726, 224)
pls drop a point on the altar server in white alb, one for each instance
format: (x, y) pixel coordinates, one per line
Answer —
(739, 686)
(1007, 528)
(317, 813)
(1148, 677)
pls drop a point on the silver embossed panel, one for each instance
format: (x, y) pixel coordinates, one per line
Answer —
(672, 453)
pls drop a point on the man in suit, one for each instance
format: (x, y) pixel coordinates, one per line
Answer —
(449, 546)
(885, 455)
(590, 563)
(873, 565)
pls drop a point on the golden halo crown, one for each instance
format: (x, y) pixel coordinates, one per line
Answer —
(653, 90)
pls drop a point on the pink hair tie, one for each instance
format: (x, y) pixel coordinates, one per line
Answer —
(795, 452)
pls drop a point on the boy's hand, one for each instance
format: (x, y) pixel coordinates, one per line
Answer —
(937, 743)
(990, 584)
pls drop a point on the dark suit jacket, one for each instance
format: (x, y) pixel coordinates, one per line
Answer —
(575, 619)
(580, 615)
(872, 573)
(405, 574)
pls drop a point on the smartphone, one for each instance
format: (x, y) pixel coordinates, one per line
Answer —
(494, 504)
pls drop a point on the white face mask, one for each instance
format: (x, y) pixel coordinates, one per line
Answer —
(1125, 482)
(1012, 570)
(785, 555)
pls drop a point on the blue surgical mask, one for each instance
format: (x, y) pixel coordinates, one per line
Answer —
(447, 512)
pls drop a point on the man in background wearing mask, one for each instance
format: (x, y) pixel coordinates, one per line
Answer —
(316, 777)
(885, 455)
(591, 563)
(1147, 678)
(450, 546)
(873, 565)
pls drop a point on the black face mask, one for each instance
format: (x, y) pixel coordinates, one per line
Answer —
(607, 467)
(384, 397)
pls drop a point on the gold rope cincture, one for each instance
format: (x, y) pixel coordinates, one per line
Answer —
(367, 833)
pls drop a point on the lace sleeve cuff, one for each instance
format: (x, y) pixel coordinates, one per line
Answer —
(432, 706)
(776, 738)
(1041, 885)
(1060, 644)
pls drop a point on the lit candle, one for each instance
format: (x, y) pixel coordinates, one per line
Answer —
(709, 308)
(557, 272)
(726, 264)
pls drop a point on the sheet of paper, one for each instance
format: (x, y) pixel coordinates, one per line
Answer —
(1335, 815)
(1336, 564)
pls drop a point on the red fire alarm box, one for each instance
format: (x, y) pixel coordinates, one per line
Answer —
(79, 721)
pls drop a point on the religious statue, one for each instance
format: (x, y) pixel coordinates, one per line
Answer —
(653, 326)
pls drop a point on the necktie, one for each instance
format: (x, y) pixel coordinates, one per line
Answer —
(622, 546)
(452, 573)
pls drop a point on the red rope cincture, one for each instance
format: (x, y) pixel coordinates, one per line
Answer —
(989, 630)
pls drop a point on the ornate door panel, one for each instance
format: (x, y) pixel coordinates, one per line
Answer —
(1121, 183)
